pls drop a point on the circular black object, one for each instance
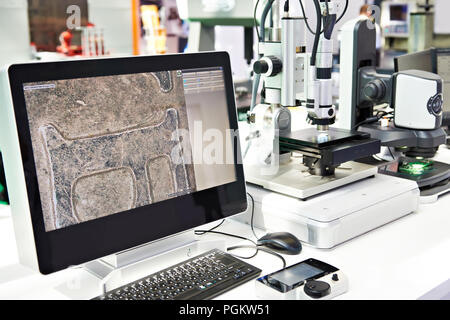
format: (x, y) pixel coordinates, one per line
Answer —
(260, 67)
(375, 90)
(277, 65)
(317, 289)
(335, 277)
(416, 152)
(435, 105)
(323, 122)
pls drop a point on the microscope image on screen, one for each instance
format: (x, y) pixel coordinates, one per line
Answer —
(108, 144)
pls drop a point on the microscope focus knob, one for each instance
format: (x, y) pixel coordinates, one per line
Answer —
(268, 66)
(260, 67)
(375, 90)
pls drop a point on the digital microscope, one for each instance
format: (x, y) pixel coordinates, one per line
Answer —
(293, 78)
(313, 182)
(414, 134)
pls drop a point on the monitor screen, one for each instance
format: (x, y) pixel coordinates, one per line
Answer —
(120, 152)
(423, 60)
(398, 12)
(104, 145)
(443, 69)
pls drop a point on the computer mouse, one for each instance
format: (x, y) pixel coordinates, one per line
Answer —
(281, 242)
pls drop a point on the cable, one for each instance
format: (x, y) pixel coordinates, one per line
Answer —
(261, 36)
(373, 119)
(317, 35)
(306, 19)
(286, 6)
(339, 19)
(258, 248)
(254, 19)
(390, 151)
(252, 215)
(274, 254)
(202, 232)
(343, 12)
(255, 245)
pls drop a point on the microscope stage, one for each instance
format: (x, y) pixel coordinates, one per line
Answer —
(314, 138)
(293, 178)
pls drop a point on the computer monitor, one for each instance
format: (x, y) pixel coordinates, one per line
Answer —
(443, 69)
(422, 60)
(108, 154)
(398, 12)
(395, 20)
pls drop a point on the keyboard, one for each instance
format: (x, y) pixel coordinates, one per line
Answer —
(200, 278)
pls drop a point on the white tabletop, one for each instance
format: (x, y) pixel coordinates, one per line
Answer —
(402, 260)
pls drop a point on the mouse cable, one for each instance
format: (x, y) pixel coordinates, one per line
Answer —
(202, 232)
(252, 215)
(256, 247)
(259, 248)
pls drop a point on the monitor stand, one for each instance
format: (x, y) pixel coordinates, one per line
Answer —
(127, 266)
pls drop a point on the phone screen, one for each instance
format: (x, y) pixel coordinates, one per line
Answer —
(294, 275)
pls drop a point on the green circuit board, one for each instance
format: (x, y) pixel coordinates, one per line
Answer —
(416, 168)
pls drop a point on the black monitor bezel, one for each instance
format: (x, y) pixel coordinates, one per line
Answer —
(439, 52)
(78, 244)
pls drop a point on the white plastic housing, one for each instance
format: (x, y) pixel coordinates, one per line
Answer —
(412, 95)
(15, 178)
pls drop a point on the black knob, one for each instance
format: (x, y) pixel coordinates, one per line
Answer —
(277, 65)
(375, 90)
(260, 67)
(317, 289)
(335, 277)
(263, 66)
(435, 105)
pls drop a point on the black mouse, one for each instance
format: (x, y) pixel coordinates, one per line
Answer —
(281, 242)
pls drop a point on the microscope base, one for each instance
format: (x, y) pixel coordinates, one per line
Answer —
(293, 178)
(335, 217)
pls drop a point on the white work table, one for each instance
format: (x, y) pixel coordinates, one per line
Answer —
(402, 260)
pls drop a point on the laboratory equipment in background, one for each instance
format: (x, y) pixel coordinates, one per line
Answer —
(308, 182)
(177, 29)
(92, 41)
(427, 22)
(410, 137)
(204, 16)
(115, 19)
(51, 19)
(155, 35)
(395, 18)
(422, 28)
